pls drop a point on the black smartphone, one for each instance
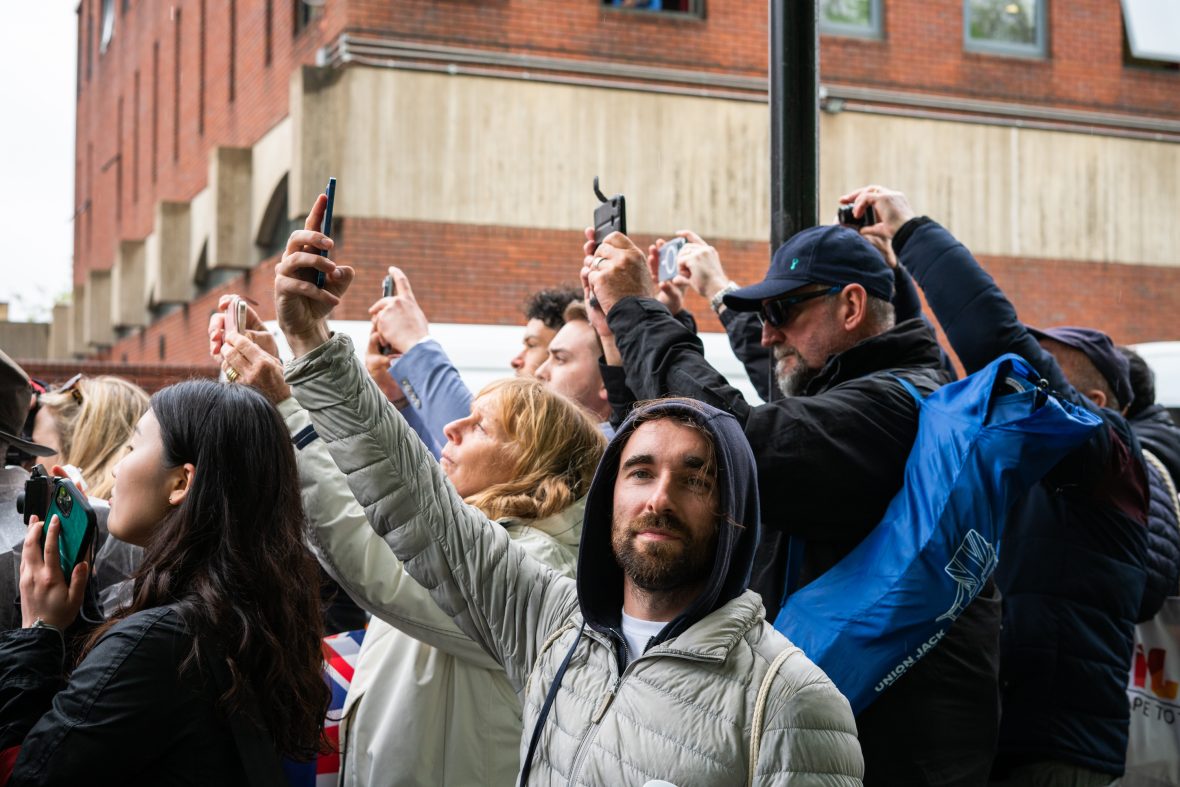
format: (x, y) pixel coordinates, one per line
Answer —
(388, 290)
(610, 215)
(845, 217)
(668, 252)
(46, 496)
(326, 227)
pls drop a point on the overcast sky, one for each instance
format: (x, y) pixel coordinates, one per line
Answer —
(37, 155)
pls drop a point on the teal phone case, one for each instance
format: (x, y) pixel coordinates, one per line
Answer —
(78, 524)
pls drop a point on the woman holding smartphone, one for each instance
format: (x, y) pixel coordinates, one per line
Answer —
(213, 670)
(427, 705)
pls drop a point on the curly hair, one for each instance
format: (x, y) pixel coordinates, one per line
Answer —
(548, 306)
(554, 446)
(231, 557)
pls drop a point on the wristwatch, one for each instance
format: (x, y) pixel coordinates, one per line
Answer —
(716, 302)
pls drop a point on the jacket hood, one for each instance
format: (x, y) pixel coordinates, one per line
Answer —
(600, 580)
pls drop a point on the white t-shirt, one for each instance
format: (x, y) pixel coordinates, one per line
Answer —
(638, 632)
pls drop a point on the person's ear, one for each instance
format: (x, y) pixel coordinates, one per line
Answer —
(1097, 397)
(181, 481)
(854, 307)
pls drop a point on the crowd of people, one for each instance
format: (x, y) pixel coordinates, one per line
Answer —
(574, 575)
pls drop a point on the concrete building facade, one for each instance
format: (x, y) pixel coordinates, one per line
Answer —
(465, 135)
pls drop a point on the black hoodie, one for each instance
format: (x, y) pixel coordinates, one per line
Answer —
(600, 579)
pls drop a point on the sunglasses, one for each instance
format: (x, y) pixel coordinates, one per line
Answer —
(777, 313)
(72, 387)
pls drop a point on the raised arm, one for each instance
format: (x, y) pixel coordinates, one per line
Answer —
(357, 558)
(498, 595)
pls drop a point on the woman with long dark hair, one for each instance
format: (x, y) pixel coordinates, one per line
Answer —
(213, 670)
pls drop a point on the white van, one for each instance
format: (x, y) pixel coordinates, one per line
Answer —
(1164, 360)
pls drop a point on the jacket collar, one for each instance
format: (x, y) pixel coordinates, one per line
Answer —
(711, 638)
(908, 344)
(564, 527)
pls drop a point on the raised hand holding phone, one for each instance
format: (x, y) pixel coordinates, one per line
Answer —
(302, 308)
(398, 318)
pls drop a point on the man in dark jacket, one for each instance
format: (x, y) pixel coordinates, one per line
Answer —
(830, 457)
(1150, 421)
(1073, 562)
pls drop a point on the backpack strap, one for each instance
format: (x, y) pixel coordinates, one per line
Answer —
(760, 711)
(550, 696)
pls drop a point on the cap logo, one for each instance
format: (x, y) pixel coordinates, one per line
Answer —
(794, 263)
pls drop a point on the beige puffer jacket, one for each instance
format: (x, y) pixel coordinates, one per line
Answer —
(680, 712)
(427, 706)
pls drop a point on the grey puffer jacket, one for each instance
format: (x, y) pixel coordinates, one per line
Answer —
(682, 710)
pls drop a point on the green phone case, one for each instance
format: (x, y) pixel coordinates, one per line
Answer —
(78, 524)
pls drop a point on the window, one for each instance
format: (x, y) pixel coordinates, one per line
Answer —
(304, 13)
(108, 25)
(1005, 27)
(688, 7)
(1150, 37)
(850, 17)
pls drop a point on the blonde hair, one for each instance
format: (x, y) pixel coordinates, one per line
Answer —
(94, 431)
(554, 446)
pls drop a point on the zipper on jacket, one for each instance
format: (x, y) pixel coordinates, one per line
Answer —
(607, 699)
(603, 705)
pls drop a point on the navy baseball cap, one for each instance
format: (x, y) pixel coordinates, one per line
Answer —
(1099, 348)
(828, 254)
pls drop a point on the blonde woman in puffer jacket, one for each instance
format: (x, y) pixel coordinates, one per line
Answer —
(427, 705)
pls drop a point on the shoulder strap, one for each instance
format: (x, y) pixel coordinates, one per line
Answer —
(760, 710)
(550, 696)
(910, 387)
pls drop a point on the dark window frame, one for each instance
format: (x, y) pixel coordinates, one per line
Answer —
(874, 30)
(1039, 50)
(695, 12)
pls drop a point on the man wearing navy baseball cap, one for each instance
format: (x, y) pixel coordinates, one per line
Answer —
(830, 457)
(1074, 568)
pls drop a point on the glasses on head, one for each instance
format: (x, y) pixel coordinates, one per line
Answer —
(72, 387)
(777, 313)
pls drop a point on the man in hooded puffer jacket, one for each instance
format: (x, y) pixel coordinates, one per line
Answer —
(655, 662)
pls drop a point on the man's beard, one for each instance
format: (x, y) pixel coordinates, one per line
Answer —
(796, 379)
(661, 566)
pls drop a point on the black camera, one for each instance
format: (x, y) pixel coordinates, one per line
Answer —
(845, 217)
(34, 501)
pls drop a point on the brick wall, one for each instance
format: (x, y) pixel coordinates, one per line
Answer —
(922, 50)
(476, 274)
(150, 377)
(118, 179)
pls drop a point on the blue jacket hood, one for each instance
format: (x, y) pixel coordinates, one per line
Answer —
(600, 580)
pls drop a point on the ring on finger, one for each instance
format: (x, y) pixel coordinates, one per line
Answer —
(231, 374)
(598, 261)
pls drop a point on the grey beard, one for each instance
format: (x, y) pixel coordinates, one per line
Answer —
(794, 382)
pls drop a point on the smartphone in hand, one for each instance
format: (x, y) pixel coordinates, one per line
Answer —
(668, 252)
(610, 216)
(46, 496)
(388, 290)
(326, 227)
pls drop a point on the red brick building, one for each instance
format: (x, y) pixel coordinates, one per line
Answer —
(465, 135)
